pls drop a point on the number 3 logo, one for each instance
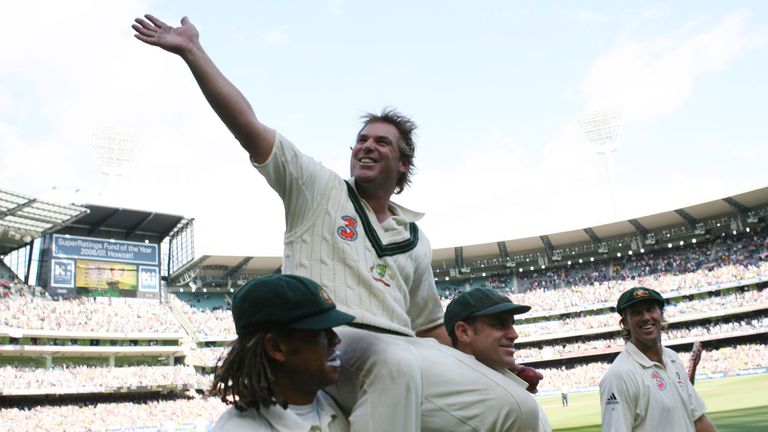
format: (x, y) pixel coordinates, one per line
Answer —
(348, 231)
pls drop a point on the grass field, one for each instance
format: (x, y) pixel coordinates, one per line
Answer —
(737, 404)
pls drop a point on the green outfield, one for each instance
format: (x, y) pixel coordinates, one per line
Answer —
(737, 404)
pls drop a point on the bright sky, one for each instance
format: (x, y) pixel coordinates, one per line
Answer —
(495, 86)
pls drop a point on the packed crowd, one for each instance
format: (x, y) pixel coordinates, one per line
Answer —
(170, 412)
(127, 413)
(745, 250)
(217, 324)
(741, 357)
(15, 380)
(207, 356)
(526, 353)
(209, 323)
(88, 314)
(748, 249)
(676, 310)
(583, 296)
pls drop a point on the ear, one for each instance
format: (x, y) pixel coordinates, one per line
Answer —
(464, 332)
(404, 165)
(275, 347)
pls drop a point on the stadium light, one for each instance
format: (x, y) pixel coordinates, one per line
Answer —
(603, 129)
(115, 150)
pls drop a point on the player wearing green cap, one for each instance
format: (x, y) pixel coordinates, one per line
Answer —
(646, 389)
(285, 352)
(480, 323)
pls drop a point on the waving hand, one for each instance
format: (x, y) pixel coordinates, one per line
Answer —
(177, 40)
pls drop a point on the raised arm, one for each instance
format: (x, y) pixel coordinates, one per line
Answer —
(225, 99)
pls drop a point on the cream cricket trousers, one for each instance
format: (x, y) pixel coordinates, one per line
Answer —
(410, 384)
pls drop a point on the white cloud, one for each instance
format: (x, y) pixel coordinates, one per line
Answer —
(651, 79)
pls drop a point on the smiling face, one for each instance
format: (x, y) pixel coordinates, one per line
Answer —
(644, 321)
(376, 157)
(490, 339)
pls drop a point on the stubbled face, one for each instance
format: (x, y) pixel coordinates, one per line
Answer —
(312, 360)
(644, 320)
(376, 156)
(491, 339)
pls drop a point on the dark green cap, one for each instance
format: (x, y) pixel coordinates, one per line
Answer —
(638, 294)
(476, 302)
(284, 301)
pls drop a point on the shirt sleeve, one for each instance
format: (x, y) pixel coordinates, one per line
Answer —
(424, 308)
(298, 179)
(618, 401)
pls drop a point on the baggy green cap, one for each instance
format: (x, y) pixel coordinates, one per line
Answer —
(638, 294)
(284, 301)
(476, 302)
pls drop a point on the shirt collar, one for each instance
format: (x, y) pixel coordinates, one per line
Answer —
(638, 356)
(397, 210)
(283, 419)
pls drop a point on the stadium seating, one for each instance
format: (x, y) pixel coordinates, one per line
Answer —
(125, 363)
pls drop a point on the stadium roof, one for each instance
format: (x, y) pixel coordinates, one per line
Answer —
(127, 222)
(748, 206)
(23, 219)
(741, 205)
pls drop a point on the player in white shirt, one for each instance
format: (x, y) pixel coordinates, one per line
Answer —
(480, 323)
(368, 253)
(646, 389)
(284, 354)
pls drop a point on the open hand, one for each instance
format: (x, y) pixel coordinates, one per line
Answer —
(177, 40)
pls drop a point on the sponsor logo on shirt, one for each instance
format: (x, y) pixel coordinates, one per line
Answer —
(612, 400)
(348, 231)
(660, 383)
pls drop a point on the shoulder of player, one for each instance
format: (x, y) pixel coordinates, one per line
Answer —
(621, 370)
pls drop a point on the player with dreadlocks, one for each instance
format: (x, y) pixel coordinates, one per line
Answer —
(285, 353)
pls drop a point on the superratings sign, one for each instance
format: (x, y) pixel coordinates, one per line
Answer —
(101, 264)
(104, 250)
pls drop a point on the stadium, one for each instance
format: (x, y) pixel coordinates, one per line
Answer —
(108, 322)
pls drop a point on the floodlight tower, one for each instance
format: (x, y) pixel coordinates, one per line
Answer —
(115, 150)
(603, 129)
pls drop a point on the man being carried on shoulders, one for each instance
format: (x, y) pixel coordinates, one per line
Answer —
(370, 255)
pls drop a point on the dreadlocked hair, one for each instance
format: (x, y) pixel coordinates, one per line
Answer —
(244, 378)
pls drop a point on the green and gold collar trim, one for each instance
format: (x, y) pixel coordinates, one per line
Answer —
(381, 249)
